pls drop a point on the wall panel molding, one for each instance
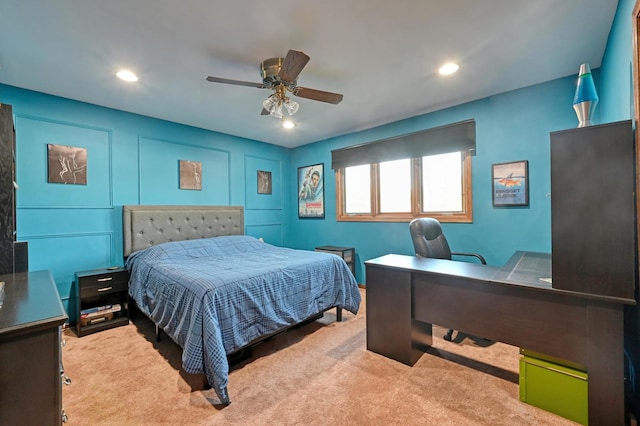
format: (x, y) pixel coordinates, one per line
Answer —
(33, 133)
(158, 173)
(271, 233)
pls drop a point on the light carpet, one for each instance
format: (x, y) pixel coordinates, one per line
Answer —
(317, 374)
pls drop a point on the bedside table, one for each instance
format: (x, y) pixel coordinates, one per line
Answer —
(347, 253)
(103, 299)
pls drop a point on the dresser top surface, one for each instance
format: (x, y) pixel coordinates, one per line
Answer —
(31, 299)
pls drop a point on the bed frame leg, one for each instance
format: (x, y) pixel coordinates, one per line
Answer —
(338, 313)
(158, 334)
(240, 355)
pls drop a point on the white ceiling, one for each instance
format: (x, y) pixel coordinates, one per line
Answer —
(382, 55)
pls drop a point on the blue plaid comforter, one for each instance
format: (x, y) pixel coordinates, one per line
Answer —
(213, 296)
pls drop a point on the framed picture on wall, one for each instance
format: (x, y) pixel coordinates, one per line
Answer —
(264, 182)
(66, 164)
(190, 175)
(311, 192)
(510, 183)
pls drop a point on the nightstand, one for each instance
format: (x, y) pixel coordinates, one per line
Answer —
(103, 300)
(347, 253)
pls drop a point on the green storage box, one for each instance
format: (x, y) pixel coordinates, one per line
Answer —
(556, 388)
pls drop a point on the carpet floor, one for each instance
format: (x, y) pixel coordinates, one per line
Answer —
(318, 374)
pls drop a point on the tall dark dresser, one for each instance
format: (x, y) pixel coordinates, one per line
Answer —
(594, 237)
(593, 210)
(7, 190)
(31, 369)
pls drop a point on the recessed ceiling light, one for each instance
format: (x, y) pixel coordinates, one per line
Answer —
(127, 75)
(288, 124)
(448, 68)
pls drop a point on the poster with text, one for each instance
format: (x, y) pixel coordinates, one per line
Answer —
(510, 184)
(311, 192)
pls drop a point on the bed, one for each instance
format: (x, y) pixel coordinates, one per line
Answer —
(215, 291)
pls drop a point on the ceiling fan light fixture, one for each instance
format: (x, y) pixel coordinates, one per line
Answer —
(273, 105)
(281, 75)
(288, 124)
(269, 103)
(291, 106)
(276, 111)
(278, 103)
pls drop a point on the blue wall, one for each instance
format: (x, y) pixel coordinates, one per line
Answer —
(511, 126)
(133, 160)
(616, 88)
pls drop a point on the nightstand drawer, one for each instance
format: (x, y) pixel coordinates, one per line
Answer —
(106, 286)
(95, 285)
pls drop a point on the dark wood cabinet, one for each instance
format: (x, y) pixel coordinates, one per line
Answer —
(7, 189)
(593, 210)
(103, 300)
(594, 238)
(31, 369)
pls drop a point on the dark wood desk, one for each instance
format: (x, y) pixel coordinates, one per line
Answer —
(407, 294)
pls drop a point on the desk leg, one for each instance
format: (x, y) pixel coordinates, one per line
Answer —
(605, 364)
(391, 331)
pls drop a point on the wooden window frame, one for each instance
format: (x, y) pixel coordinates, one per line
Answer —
(465, 216)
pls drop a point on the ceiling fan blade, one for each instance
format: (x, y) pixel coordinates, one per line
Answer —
(264, 112)
(318, 95)
(293, 63)
(236, 82)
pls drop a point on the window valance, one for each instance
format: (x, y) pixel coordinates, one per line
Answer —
(454, 137)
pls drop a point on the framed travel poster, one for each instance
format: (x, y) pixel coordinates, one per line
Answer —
(510, 184)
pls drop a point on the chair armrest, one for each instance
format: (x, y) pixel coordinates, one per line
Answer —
(479, 257)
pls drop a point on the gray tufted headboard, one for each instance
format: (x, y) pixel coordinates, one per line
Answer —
(145, 226)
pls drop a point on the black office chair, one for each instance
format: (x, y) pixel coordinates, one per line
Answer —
(429, 241)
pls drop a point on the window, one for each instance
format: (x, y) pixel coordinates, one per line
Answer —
(425, 173)
(437, 186)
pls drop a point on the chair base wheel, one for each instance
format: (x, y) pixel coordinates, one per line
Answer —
(449, 336)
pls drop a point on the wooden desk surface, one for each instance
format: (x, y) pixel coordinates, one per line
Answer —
(436, 266)
(523, 269)
(526, 267)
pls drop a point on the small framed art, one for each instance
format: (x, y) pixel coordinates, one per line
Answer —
(190, 175)
(66, 164)
(510, 183)
(264, 182)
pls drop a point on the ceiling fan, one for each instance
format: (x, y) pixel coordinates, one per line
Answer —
(281, 75)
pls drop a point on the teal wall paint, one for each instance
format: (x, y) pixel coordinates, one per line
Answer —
(159, 174)
(36, 134)
(616, 73)
(265, 225)
(78, 228)
(511, 126)
(132, 159)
